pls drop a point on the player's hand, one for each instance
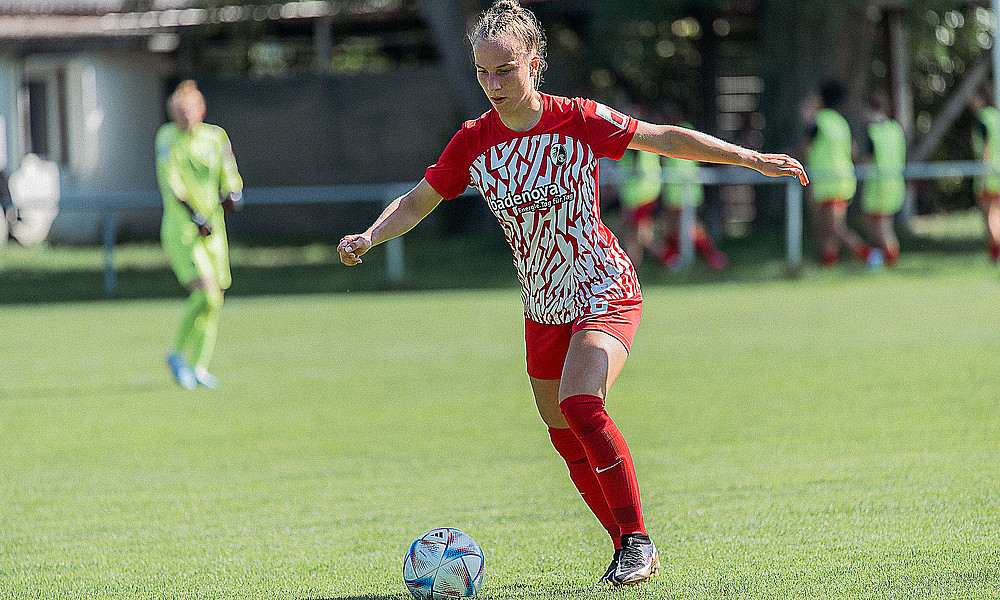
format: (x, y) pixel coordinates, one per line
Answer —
(204, 228)
(351, 247)
(233, 202)
(780, 165)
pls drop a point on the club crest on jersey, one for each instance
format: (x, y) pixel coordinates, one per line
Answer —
(611, 116)
(558, 154)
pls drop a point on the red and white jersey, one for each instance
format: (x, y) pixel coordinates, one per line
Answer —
(542, 185)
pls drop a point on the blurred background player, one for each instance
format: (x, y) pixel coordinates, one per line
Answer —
(638, 196)
(684, 189)
(829, 157)
(882, 193)
(534, 157)
(199, 183)
(986, 145)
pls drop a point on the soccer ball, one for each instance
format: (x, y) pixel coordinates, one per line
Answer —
(443, 563)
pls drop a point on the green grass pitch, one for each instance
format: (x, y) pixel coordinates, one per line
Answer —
(830, 437)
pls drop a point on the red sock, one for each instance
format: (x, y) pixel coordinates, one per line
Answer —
(670, 250)
(891, 255)
(862, 251)
(582, 475)
(829, 258)
(994, 251)
(610, 458)
(703, 242)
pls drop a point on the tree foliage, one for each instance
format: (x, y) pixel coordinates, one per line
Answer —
(647, 53)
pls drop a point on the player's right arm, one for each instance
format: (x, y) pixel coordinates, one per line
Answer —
(400, 216)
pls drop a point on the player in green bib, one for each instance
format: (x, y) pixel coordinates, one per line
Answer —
(638, 194)
(883, 192)
(831, 167)
(683, 188)
(199, 182)
(986, 144)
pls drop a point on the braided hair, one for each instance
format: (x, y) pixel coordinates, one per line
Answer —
(506, 19)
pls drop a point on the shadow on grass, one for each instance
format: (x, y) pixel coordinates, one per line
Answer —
(523, 590)
(502, 592)
(471, 262)
(461, 263)
(368, 597)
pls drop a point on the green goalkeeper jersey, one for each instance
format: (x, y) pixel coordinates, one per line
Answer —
(197, 166)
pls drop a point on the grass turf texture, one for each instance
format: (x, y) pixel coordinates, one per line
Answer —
(833, 436)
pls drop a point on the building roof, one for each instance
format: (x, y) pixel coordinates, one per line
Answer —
(87, 7)
(60, 7)
(33, 22)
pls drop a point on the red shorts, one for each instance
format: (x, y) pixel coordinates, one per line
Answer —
(834, 203)
(634, 216)
(547, 345)
(987, 198)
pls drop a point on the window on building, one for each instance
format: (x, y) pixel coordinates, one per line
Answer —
(44, 113)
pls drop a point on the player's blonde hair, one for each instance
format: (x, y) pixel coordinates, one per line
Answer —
(507, 20)
(185, 91)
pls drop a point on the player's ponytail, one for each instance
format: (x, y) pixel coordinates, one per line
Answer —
(506, 19)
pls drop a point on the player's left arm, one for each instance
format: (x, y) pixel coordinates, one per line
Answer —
(679, 142)
(231, 184)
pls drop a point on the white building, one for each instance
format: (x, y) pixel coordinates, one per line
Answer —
(83, 92)
(83, 83)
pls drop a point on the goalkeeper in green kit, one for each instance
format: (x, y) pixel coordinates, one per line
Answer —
(199, 182)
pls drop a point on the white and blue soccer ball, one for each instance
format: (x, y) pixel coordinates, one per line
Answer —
(442, 564)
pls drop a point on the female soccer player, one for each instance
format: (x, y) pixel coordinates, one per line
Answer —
(830, 153)
(534, 158)
(685, 190)
(638, 195)
(199, 182)
(883, 194)
(986, 144)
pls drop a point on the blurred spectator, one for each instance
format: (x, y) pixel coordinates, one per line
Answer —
(683, 189)
(986, 144)
(829, 152)
(883, 192)
(34, 193)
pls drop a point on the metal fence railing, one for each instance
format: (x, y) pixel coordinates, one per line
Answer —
(109, 204)
(795, 194)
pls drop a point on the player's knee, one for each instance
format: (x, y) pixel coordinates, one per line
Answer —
(213, 298)
(585, 414)
(209, 291)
